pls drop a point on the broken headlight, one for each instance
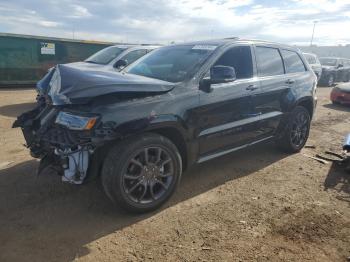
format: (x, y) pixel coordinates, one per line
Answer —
(76, 122)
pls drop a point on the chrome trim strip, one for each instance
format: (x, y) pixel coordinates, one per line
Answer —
(206, 158)
(239, 123)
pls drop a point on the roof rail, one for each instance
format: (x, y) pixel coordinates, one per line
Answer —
(233, 37)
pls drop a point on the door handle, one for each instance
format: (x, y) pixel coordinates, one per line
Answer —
(290, 81)
(251, 88)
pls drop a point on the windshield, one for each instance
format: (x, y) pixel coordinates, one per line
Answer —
(106, 55)
(310, 59)
(328, 61)
(171, 63)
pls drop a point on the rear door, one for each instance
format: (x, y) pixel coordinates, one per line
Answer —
(227, 117)
(270, 102)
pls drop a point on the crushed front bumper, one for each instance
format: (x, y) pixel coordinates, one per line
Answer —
(63, 150)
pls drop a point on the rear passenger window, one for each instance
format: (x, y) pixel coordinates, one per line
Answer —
(269, 61)
(240, 58)
(292, 62)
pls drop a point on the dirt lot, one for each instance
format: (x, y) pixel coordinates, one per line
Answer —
(254, 205)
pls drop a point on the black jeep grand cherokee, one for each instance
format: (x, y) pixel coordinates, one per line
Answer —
(178, 105)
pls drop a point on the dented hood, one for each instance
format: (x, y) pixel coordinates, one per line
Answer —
(68, 84)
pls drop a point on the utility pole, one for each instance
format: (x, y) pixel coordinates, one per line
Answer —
(313, 32)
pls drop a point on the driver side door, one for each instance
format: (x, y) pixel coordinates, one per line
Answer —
(227, 115)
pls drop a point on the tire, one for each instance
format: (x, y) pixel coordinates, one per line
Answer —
(330, 80)
(298, 126)
(347, 78)
(138, 185)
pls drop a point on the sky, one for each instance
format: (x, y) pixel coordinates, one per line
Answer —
(151, 21)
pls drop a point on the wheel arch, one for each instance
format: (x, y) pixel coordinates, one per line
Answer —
(307, 103)
(176, 137)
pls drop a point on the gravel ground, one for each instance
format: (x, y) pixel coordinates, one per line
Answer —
(253, 205)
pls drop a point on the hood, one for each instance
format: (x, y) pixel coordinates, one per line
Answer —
(345, 87)
(85, 65)
(70, 84)
(42, 84)
(326, 67)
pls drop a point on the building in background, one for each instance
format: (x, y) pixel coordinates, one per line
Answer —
(24, 59)
(326, 51)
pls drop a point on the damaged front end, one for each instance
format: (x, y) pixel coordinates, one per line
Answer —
(66, 128)
(64, 142)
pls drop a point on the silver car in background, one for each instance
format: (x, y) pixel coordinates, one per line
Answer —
(118, 56)
(315, 64)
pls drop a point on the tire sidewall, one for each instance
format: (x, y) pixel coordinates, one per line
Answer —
(117, 164)
(329, 82)
(295, 112)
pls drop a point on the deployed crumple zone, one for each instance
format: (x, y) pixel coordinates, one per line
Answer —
(176, 106)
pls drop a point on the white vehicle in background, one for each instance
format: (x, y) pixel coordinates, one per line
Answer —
(315, 64)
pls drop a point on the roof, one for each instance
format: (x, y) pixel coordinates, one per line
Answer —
(306, 53)
(232, 40)
(334, 57)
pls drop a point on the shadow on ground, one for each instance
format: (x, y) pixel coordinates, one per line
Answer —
(339, 180)
(15, 109)
(339, 107)
(58, 220)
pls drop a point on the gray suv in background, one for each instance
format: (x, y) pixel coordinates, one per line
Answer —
(315, 64)
(334, 69)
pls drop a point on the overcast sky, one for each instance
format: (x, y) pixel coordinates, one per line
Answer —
(153, 21)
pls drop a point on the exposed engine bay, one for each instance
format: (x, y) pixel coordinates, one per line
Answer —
(66, 151)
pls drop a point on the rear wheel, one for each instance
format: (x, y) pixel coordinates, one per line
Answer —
(347, 78)
(140, 174)
(297, 131)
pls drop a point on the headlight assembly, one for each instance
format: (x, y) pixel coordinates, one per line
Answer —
(75, 122)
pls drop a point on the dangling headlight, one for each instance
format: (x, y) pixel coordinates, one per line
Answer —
(76, 122)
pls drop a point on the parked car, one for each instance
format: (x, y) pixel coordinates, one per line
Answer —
(334, 69)
(315, 64)
(177, 106)
(110, 58)
(341, 94)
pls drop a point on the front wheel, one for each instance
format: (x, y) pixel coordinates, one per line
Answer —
(330, 80)
(141, 173)
(297, 131)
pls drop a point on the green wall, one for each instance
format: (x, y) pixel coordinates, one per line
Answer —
(23, 61)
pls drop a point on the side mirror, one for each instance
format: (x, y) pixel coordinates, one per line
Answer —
(218, 74)
(340, 65)
(205, 85)
(120, 64)
(222, 74)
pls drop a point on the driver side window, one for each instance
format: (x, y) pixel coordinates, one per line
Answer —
(240, 58)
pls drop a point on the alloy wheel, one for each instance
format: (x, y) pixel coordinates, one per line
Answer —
(299, 129)
(148, 174)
